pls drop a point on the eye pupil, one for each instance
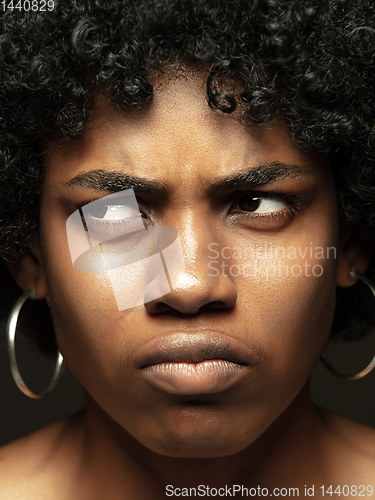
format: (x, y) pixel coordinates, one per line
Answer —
(98, 210)
(111, 212)
(249, 203)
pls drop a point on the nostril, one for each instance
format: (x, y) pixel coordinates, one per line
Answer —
(160, 307)
(192, 294)
(217, 304)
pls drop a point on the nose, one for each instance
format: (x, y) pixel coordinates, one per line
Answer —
(202, 286)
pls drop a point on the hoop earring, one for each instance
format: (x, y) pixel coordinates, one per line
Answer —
(11, 333)
(353, 275)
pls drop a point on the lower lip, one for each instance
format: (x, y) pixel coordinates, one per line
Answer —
(205, 377)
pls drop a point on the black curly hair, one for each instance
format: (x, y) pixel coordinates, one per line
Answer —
(311, 63)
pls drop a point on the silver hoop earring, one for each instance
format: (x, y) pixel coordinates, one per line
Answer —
(353, 275)
(11, 351)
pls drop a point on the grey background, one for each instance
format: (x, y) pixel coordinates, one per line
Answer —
(20, 415)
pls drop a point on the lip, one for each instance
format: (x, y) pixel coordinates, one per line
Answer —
(194, 363)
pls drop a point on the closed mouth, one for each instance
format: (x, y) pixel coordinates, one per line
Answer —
(194, 363)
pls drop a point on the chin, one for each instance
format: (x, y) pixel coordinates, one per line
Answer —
(197, 433)
(197, 446)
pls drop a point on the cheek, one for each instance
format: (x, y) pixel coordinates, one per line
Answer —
(84, 310)
(286, 290)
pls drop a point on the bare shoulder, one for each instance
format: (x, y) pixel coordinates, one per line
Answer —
(32, 467)
(356, 435)
(353, 444)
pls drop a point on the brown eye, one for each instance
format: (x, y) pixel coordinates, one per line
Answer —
(249, 203)
(261, 204)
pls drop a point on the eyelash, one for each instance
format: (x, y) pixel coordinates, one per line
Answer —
(104, 225)
(289, 212)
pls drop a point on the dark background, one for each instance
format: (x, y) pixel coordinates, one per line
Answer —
(20, 415)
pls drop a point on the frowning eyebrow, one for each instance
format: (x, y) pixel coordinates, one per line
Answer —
(258, 176)
(114, 181)
(103, 180)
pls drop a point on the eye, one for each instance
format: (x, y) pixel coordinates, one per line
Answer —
(112, 217)
(261, 204)
(113, 212)
(263, 210)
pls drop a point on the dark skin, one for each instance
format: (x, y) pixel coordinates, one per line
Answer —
(134, 439)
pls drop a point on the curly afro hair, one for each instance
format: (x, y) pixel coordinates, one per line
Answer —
(310, 63)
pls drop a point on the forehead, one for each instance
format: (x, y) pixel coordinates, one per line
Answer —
(178, 139)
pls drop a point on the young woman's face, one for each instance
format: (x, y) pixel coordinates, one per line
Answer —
(205, 369)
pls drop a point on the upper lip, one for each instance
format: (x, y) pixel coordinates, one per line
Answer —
(193, 348)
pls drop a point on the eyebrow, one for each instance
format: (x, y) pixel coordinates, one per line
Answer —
(258, 176)
(113, 181)
(103, 180)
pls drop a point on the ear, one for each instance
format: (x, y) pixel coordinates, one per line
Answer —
(28, 270)
(354, 253)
